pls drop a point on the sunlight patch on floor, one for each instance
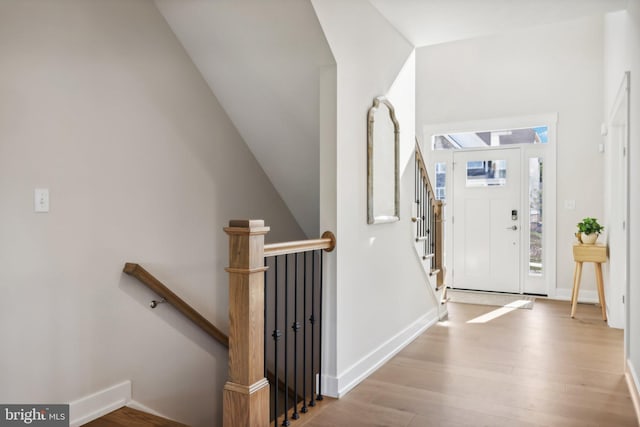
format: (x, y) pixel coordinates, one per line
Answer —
(499, 312)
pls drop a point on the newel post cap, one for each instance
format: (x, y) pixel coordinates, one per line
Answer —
(246, 226)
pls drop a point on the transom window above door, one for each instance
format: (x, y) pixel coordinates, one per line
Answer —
(494, 138)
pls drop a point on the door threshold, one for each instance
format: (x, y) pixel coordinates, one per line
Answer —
(497, 292)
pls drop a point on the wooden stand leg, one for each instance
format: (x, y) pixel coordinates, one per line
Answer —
(573, 289)
(576, 288)
(603, 305)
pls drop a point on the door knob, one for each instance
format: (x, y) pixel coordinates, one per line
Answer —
(513, 227)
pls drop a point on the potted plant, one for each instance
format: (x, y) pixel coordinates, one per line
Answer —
(588, 231)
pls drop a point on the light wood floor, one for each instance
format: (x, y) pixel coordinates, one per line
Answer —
(526, 368)
(129, 417)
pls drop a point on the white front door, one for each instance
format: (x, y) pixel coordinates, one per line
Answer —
(487, 220)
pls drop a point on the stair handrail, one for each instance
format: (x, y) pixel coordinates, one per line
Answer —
(146, 278)
(246, 392)
(327, 242)
(168, 296)
(423, 168)
(438, 220)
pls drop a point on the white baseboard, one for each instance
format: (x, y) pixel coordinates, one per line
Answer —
(564, 294)
(94, 406)
(634, 387)
(339, 386)
(140, 407)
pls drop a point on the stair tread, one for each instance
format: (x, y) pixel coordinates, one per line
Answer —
(129, 417)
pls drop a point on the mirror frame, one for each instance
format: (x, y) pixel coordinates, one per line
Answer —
(371, 217)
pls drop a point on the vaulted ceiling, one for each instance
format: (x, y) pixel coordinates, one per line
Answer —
(262, 59)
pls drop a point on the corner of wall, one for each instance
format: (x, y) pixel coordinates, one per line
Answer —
(93, 406)
(338, 386)
(633, 383)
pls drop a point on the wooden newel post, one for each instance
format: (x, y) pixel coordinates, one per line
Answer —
(439, 241)
(246, 392)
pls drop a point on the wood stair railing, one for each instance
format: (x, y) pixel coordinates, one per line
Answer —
(147, 279)
(136, 270)
(246, 395)
(429, 221)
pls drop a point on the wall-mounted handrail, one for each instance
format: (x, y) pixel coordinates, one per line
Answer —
(136, 270)
(327, 242)
(168, 296)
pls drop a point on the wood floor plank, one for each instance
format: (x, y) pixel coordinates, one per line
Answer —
(129, 417)
(525, 368)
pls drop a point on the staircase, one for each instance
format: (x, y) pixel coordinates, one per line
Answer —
(428, 222)
(275, 328)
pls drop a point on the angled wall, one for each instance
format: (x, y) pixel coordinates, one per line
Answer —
(101, 105)
(263, 60)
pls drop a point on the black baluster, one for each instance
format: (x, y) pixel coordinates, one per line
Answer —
(433, 231)
(286, 421)
(427, 242)
(312, 320)
(419, 202)
(265, 317)
(434, 237)
(295, 327)
(425, 215)
(320, 335)
(416, 183)
(304, 338)
(415, 179)
(276, 336)
(423, 202)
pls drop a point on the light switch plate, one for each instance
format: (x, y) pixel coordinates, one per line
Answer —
(41, 200)
(570, 204)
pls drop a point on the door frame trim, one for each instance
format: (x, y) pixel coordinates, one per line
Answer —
(548, 151)
(622, 95)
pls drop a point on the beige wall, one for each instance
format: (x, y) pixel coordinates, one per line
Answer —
(100, 104)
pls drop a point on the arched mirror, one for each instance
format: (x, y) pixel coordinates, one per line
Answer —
(383, 177)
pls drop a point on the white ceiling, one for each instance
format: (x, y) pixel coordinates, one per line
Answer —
(428, 22)
(261, 60)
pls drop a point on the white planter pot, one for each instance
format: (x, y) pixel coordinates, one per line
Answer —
(589, 239)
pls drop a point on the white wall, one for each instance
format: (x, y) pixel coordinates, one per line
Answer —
(380, 292)
(100, 104)
(616, 63)
(546, 69)
(634, 189)
(622, 53)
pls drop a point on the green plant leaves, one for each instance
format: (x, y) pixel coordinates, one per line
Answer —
(590, 225)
